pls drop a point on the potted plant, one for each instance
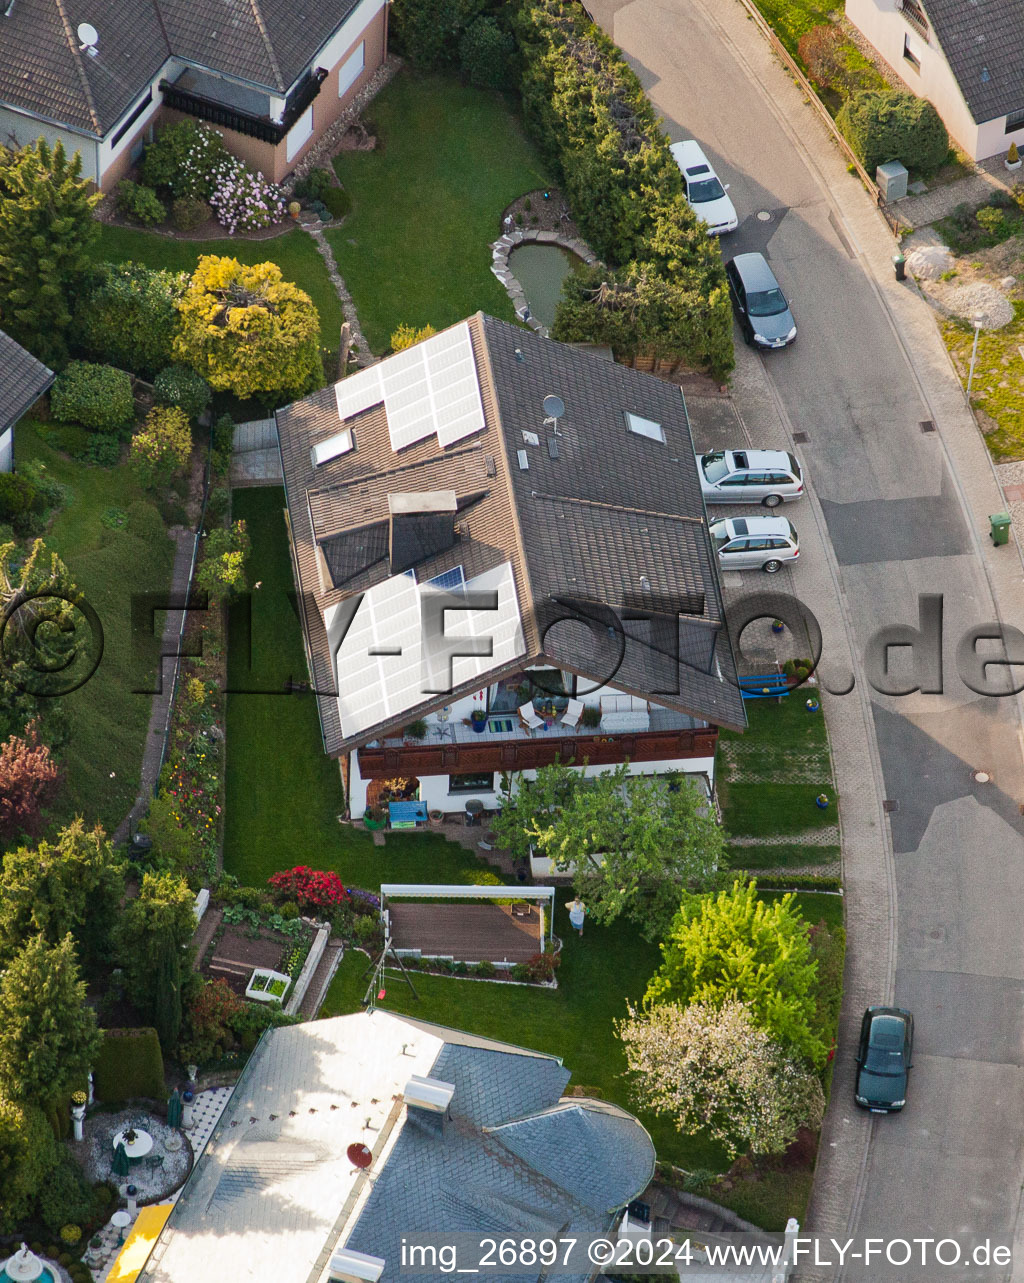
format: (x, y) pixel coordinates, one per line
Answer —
(821, 801)
(1013, 160)
(478, 720)
(435, 818)
(416, 730)
(373, 817)
(295, 209)
(778, 626)
(591, 717)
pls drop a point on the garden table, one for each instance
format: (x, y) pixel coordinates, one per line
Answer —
(139, 1147)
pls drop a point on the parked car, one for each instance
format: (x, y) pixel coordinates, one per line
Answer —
(755, 543)
(750, 476)
(884, 1059)
(704, 191)
(759, 302)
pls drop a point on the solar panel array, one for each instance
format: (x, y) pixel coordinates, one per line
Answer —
(429, 389)
(382, 661)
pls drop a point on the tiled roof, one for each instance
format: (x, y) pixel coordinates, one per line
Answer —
(603, 525)
(981, 41)
(23, 380)
(42, 69)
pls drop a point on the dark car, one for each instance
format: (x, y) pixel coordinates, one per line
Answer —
(883, 1059)
(760, 304)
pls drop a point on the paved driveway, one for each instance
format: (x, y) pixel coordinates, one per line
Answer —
(889, 497)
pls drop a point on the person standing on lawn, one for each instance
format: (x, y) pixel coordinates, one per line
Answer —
(577, 912)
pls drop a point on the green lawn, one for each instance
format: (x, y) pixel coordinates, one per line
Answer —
(791, 19)
(782, 740)
(427, 203)
(283, 793)
(108, 722)
(295, 253)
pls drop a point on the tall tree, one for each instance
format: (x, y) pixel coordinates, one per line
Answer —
(48, 1036)
(28, 1155)
(73, 884)
(28, 781)
(710, 1068)
(635, 842)
(735, 946)
(46, 227)
(153, 935)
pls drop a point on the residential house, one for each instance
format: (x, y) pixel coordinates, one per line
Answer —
(23, 380)
(344, 1136)
(100, 75)
(559, 492)
(962, 55)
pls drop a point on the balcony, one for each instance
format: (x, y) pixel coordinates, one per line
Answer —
(231, 106)
(455, 749)
(914, 16)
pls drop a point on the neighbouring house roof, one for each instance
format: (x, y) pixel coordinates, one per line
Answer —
(603, 525)
(23, 380)
(981, 42)
(275, 1193)
(44, 71)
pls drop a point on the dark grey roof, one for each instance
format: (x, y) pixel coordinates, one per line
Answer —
(556, 1169)
(42, 70)
(981, 41)
(23, 380)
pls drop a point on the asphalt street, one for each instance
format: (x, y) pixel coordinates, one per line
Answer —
(897, 527)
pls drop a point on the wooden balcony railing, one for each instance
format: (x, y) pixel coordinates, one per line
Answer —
(531, 754)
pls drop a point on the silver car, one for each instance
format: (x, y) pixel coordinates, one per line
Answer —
(769, 477)
(755, 543)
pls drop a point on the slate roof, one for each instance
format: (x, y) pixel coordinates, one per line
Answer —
(23, 380)
(612, 529)
(981, 41)
(274, 1194)
(42, 70)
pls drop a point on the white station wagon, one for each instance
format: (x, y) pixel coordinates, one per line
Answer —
(704, 191)
(755, 543)
(769, 477)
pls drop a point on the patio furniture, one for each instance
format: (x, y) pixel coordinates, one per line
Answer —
(624, 713)
(474, 809)
(136, 1149)
(121, 1220)
(527, 715)
(573, 713)
(154, 1162)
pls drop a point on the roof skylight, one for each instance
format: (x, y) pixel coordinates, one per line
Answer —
(645, 427)
(325, 451)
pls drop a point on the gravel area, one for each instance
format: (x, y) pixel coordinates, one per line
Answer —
(96, 1152)
(965, 300)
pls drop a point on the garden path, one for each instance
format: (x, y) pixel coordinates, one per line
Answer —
(974, 190)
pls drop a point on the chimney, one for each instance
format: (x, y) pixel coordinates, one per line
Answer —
(422, 525)
(430, 1094)
(348, 1266)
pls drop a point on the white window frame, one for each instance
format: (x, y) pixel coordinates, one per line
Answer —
(351, 69)
(299, 134)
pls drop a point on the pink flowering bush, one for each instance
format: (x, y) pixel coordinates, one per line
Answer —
(310, 888)
(244, 201)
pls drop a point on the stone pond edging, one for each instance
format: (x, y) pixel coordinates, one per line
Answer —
(504, 246)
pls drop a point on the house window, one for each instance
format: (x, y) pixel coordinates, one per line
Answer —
(909, 55)
(1014, 121)
(300, 133)
(139, 109)
(480, 782)
(351, 69)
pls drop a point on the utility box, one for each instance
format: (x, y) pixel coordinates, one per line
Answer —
(892, 180)
(999, 524)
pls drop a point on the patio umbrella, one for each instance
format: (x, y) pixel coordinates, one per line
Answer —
(121, 1165)
(174, 1109)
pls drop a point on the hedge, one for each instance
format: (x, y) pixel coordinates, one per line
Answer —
(96, 396)
(884, 124)
(127, 317)
(129, 1066)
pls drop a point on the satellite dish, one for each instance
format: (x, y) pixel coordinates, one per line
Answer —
(554, 407)
(89, 37)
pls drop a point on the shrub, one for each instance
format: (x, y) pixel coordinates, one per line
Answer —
(183, 159)
(821, 51)
(315, 185)
(310, 889)
(190, 212)
(179, 385)
(161, 447)
(139, 203)
(542, 967)
(416, 730)
(1013, 155)
(485, 970)
(96, 396)
(129, 1066)
(66, 1199)
(243, 200)
(407, 335)
(217, 505)
(885, 124)
(487, 54)
(127, 317)
(70, 1234)
(365, 929)
(104, 450)
(338, 201)
(223, 433)
(994, 222)
(208, 1021)
(17, 495)
(320, 210)
(221, 572)
(428, 33)
(289, 910)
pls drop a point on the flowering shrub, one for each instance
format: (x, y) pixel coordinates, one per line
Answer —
(183, 159)
(310, 888)
(162, 446)
(242, 200)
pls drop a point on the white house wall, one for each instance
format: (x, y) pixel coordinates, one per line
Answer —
(109, 152)
(348, 34)
(7, 451)
(885, 27)
(23, 130)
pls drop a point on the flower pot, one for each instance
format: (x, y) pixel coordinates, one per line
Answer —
(778, 626)
(435, 819)
(821, 802)
(812, 705)
(1013, 165)
(478, 724)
